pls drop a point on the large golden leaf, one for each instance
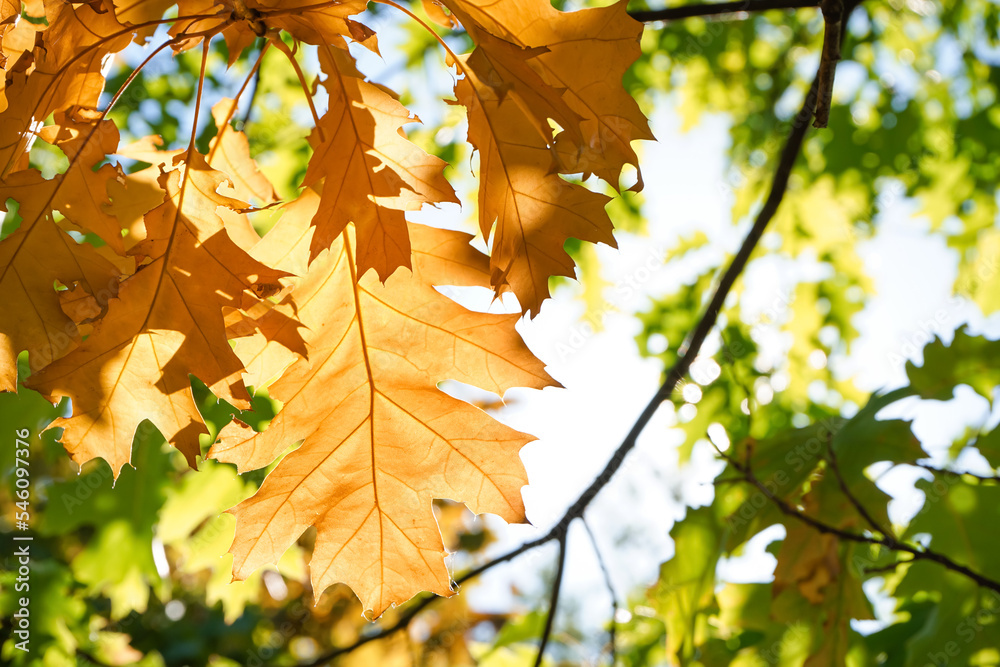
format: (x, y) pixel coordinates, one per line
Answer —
(167, 323)
(380, 441)
(371, 174)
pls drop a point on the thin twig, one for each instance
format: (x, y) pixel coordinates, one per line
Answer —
(988, 479)
(887, 541)
(550, 618)
(714, 9)
(862, 510)
(256, 88)
(612, 628)
(719, 481)
(891, 567)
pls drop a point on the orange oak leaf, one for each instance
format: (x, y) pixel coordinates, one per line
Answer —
(507, 69)
(586, 54)
(141, 13)
(229, 152)
(267, 345)
(63, 71)
(380, 441)
(83, 193)
(435, 11)
(32, 258)
(166, 323)
(241, 21)
(371, 173)
(9, 11)
(78, 304)
(319, 24)
(14, 39)
(132, 198)
(530, 210)
(138, 193)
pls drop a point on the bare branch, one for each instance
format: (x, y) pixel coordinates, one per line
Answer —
(715, 9)
(550, 618)
(987, 479)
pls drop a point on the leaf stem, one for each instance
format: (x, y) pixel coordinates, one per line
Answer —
(197, 99)
(276, 40)
(134, 74)
(232, 109)
(451, 54)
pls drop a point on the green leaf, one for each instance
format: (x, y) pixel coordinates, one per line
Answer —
(685, 588)
(969, 360)
(989, 446)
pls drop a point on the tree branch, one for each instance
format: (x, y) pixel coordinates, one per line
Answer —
(715, 9)
(865, 514)
(987, 479)
(891, 567)
(887, 541)
(550, 618)
(691, 348)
